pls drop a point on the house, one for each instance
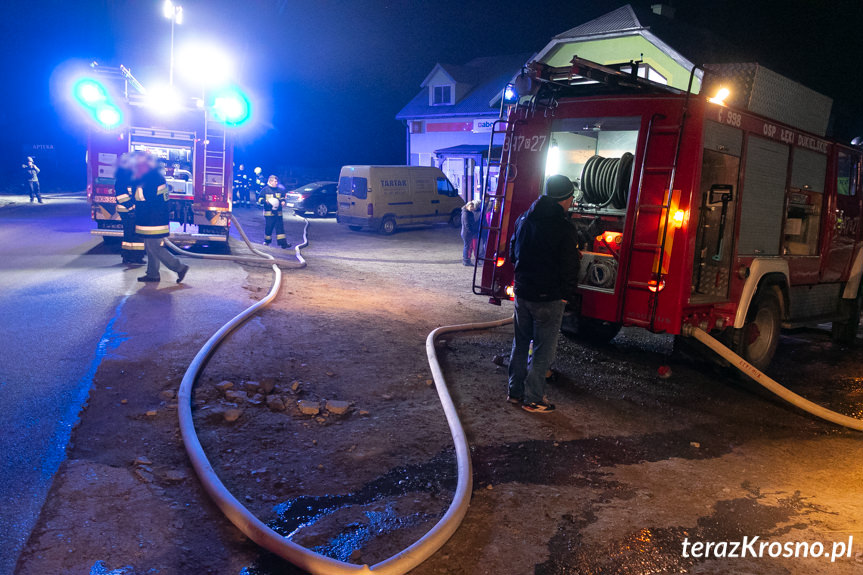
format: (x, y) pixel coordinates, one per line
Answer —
(448, 123)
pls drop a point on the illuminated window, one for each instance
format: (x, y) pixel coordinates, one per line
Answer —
(846, 175)
(647, 71)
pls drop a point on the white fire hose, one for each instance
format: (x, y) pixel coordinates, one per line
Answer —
(257, 530)
(770, 384)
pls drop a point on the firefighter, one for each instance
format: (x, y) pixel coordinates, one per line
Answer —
(31, 173)
(241, 187)
(544, 254)
(152, 219)
(258, 182)
(272, 198)
(132, 249)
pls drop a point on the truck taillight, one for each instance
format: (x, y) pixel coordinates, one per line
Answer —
(500, 262)
(656, 286)
(510, 291)
(678, 218)
(371, 210)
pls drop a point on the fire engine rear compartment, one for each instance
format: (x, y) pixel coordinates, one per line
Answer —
(749, 196)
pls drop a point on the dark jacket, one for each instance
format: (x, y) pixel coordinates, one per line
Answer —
(123, 191)
(264, 200)
(544, 253)
(151, 206)
(469, 224)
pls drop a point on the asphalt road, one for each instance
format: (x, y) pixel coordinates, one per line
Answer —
(61, 294)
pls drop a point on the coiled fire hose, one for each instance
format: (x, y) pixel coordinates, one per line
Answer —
(770, 384)
(257, 530)
(605, 181)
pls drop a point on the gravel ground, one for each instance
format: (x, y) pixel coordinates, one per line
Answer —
(613, 482)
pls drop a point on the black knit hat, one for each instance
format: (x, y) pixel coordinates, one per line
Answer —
(559, 188)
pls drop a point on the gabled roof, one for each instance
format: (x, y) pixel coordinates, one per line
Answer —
(616, 21)
(692, 45)
(486, 77)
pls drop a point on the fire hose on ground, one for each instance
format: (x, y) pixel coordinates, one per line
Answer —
(771, 385)
(257, 530)
(440, 533)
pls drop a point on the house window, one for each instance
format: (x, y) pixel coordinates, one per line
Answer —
(646, 71)
(441, 95)
(416, 126)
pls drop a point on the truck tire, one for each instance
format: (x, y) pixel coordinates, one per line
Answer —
(759, 336)
(845, 330)
(455, 219)
(588, 329)
(388, 226)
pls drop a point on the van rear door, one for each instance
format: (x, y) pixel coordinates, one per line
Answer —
(423, 194)
(353, 198)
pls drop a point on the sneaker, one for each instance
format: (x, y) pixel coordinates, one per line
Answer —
(467, 263)
(513, 400)
(148, 279)
(538, 407)
(181, 274)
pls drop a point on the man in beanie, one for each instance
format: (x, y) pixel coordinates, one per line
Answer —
(544, 253)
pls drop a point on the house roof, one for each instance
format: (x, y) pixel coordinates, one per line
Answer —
(485, 78)
(696, 45)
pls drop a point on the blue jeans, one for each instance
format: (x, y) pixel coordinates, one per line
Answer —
(538, 321)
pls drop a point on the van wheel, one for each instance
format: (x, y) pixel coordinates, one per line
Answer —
(587, 329)
(321, 210)
(845, 330)
(388, 226)
(759, 336)
(455, 219)
(355, 228)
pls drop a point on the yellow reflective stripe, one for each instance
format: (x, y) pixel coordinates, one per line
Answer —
(132, 246)
(139, 194)
(152, 230)
(122, 209)
(122, 198)
(280, 236)
(268, 213)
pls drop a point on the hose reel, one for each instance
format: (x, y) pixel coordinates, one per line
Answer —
(605, 181)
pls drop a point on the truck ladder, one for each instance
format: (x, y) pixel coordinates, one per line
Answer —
(215, 145)
(494, 228)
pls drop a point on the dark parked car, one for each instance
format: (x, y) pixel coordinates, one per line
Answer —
(317, 197)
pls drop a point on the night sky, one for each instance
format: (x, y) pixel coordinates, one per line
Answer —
(328, 77)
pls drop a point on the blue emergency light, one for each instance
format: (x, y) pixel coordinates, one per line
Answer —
(93, 96)
(231, 107)
(510, 95)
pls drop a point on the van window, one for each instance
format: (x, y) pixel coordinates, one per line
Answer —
(356, 187)
(445, 188)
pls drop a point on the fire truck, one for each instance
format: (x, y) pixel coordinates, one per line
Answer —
(732, 213)
(192, 147)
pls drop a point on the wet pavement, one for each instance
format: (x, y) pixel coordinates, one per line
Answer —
(63, 293)
(628, 468)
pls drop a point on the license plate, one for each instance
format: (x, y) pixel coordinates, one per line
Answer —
(290, 205)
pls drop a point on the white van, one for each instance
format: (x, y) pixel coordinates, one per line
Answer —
(383, 198)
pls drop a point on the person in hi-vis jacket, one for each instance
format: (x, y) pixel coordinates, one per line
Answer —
(153, 219)
(271, 198)
(132, 249)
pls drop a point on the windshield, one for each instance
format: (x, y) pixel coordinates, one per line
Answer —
(596, 154)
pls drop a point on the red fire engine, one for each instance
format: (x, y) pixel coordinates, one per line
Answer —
(733, 214)
(193, 148)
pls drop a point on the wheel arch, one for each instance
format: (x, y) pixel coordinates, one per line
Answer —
(763, 273)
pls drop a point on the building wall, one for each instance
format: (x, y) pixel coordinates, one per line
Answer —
(624, 49)
(424, 144)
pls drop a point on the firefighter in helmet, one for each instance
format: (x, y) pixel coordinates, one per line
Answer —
(241, 187)
(272, 198)
(152, 219)
(258, 182)
(132, 249)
